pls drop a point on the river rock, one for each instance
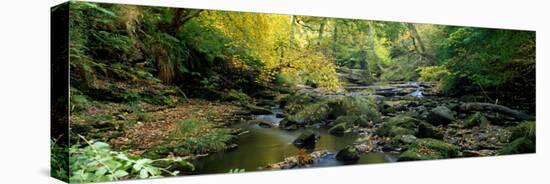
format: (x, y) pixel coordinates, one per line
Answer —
(440, 115)
(308, 139)
(261, 123)
(338, 129)
(287, 124)
(426, 130)
(348, 154)
(256, 110)
(477, 119)
(429, 149)
(398, 125)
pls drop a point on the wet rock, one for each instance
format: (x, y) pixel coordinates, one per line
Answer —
(256, 110)
(399, 143)
(338, 129)
(477, 119)
(429, 149)
(440, 115)
(288, 124)
(426, 130)
(348, 154)
(261, 123)
(280, 115)
(354, 105)
(308, 139)
(398, 125)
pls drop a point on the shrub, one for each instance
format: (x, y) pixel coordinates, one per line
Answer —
(97, 162)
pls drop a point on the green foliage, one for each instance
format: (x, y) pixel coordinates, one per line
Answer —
(78, 103)
(97, 162)
(236, 170)
(480, 55)
(436, 74)
(525, 129)
(59, 162)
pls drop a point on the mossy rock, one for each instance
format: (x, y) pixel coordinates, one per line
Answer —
(426, 130)
(313, 113)
(518, 146)
(476, 119)
(348, 154)
(398, 125)
(429, 149)
(257, 110)
(337, 129)
(354, 105)
(440, 115)
(525, 129)
(295, 102)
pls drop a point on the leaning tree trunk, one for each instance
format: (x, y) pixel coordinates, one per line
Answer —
(496, 108)
(416, 38)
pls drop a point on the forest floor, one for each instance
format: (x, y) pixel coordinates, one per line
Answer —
(147, 127)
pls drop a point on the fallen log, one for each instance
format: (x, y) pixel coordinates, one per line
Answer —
(496, 108)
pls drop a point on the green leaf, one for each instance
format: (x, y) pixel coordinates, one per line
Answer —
(143, 173)
(100, 171)
(120, 173)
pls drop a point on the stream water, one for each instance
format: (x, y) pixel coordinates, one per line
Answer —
(263, 146)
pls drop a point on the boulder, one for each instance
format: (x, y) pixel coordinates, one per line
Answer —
(398, 125)
(308, 139)
(429, 149)
(338, 129)
(256, 110)
(261, 123)
(348, 154)
(288, 124)
(426, 130)
(440, 115)
(477, 119)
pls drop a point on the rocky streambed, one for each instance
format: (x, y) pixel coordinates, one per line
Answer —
(383, 122)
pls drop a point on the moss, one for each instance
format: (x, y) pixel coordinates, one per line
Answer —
(294, 103)
(354, 105)
(477, 119)
(143, 116)
(526, 129)
(191, 137)
(398, 125)
(429, 149)
(314, 113)
(518, 146)
(79, 102)
(238, 96)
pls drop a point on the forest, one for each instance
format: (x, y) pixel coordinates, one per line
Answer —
(157, 92)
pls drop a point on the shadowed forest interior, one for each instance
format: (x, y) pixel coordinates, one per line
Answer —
(157, 91)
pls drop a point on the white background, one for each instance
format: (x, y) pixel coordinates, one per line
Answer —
(24, 92)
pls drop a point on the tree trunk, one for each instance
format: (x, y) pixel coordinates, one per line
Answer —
(291, 39)
(416, 38)
(181, 16)
(496, 108)
(372, 46)
(334, 37)
(321, 31)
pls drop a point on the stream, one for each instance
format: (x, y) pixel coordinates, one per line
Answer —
(263, 146)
